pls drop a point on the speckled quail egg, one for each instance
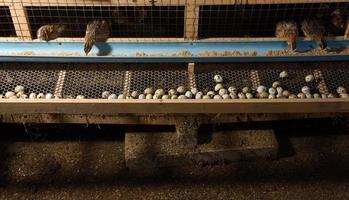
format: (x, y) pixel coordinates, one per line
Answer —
(182, 97)
(276, 84)
(218, 78)
(174, 97)
(218, 86)
(233, 95)
(217, 97)
(245, 90)
(172, 92)
(249, 95)
(330, 96)
(19, 88)
(194, 91)
(141, 96)
(199, 95)
(165, 96)
(344, 95)
(206, 97)
(286, 93)
(225, 96)
(32, 96)
(233, 89)
(80, 97)
(222, 91)
(156, 96)
(134, 94)
(323, 96)
(48, 96)
(149, 91)
(305, 89)
(263, 95)
(271, 96)
(189, 95)
(40, 96)
(160, 92)
(308, 95)
(341, 90)
(272, 91)
(261, 89)
(309, 78)
(292, 96)
(283, 74)
(20, 93)
(301, 95)
(9, 94)
(149, 96)
(241, 95)
(122, 96)
(23, 96)
(112, 96)
(280, 96)
(211, 94)
(105, 94)
(181, 90)
(316, 96)
(279, 90)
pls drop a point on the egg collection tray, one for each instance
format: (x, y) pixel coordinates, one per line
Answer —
(90, 80)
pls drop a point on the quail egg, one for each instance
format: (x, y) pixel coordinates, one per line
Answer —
(40, 96)
(218, 78)
(80, 97)
(280, 96)
(206, 97)
(233, 95)
(149, 96)
(165, 96)
(217, 97)
(23, 96)
(218, 87)
(286, 93)
(122, 96)
(19, 88)
(249, 95)
(181, 90)
(283, 74)
(48, 96)
(172, 92)
(233, 89)
(245, 90)
(105, 94)
(305, 89)
(276, 84)
(20, 93)
(330, 96)
(309, 96)
(225, 96)
(316, 96)
(263, 95)
(292, 96)
(309, 78)
(174, 97)
(271, 96)
(272, 91)
(189, 95)
(211, 94)
(194, 91)
(301, 95)
(149, 91)
(141, 96)
(156, 96)
(279, 90)
(341, 90)
(323, 96)
(199, 95)
(134, 94)
(261, 89)
(344, 95)
(182, 97)
(32, 96)
(112, 96)
(9, 94)
(223, 91)
(241, 95)
(160, 92)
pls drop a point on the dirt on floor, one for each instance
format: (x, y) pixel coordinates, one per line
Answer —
(79, 162)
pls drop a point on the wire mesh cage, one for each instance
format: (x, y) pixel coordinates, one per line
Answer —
(7, 28)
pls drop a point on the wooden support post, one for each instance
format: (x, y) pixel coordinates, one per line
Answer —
(20, 21)
(346, 35)
(187, 134)
(191, 20)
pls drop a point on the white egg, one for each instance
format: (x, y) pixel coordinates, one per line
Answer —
(206, 97)
(194, 91)
(149, 96)
(32, 96)
(48, 96)
(105, 94)
(316, 96)
(309, 78)
(23, 96)
(283, 74)
(217, 97)
(292, 96)
(189, 95)
(9, 94)
(341, 90)
(344, 95)
(233, 95)
(112, 96)
(305, 89)
(218, 86)
(141, 96)
(279, 90)
(330, 96)
(40, 96)
(182, 97)
(20, 93)
(301, 95)
(263, 95)
(174, 97)
(181, 90)
(160, 92)
(223, 91)
(286, 93)
(272, 91)
(245, 90)
(241, 95)
(218, 78)
(156, 96)
(233, 89)
(80, 97)
(249, 96)
(261, 89)
(172, 92)
(225, 96)
(122, 96)
(149, 91)
(271, 96)
(324, 96)
(165, 96)
(19, 88)
(135, 94)
(211, 94)
(309, 96)
(276, 84)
